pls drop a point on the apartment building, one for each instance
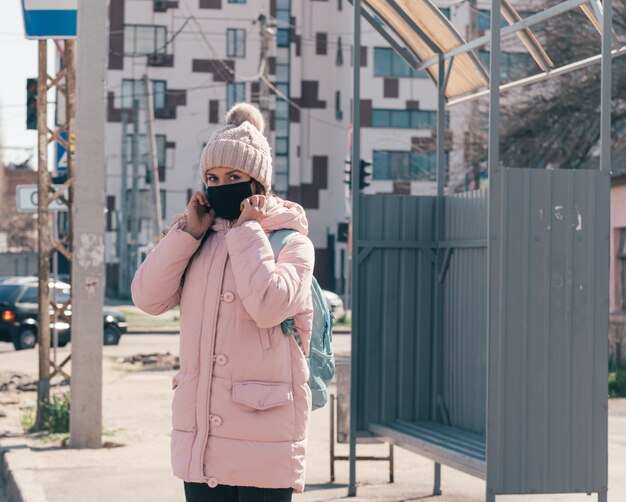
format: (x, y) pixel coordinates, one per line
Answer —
(204, 55)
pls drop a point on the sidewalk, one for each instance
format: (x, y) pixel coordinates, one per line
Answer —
(134, 465)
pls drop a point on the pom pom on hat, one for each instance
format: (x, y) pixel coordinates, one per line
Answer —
(242, 112)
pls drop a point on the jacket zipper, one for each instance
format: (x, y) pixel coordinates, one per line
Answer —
(212, 350)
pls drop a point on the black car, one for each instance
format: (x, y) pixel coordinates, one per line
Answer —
(19, 314)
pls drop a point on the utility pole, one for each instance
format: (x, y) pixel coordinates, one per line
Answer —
(43, 227)
(264, 91)
(153, 161)
(122, 236)
(88, 263)
(134, 222)
(48, 244)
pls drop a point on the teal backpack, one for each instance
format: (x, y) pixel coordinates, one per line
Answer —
(321, 359)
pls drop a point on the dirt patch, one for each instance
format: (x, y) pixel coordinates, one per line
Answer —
(147, 362)
(14, 381)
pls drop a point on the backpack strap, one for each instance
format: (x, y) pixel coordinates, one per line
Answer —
(278, 240)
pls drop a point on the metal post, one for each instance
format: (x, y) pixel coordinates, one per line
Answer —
(122, 236)
(153, 161)
(69, 57)
(332, 438)
(43, 227)
(356, 161)
(605, 167)
(437, 346)
(492, 219)
(88, 262)
(55, 269)
(134, 195)
(605, 94)
(437, 484)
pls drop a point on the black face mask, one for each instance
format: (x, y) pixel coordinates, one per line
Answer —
(226, 200)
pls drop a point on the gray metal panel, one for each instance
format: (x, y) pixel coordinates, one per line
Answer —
(465, 309)
(548, 323)
(393, 354)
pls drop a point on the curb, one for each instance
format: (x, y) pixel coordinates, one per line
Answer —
(19, 478)
(152, 331)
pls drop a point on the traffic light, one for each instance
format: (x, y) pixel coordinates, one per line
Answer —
(365, 171)
(31, 103)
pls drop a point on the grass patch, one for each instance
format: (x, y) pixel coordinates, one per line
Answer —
(344, 322)
(55, 415)
(27, 418)
(138, 320)
(617, 383)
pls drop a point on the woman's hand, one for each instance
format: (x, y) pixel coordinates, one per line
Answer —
(200, 216)
(252, 208)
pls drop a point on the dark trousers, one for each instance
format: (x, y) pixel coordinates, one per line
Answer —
(201, 492)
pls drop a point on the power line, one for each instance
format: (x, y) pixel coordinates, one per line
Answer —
(159, 49)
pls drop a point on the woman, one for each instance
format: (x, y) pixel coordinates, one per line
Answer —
(241, 404)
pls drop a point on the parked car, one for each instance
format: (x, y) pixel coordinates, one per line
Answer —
(336, 304)
(19, 314)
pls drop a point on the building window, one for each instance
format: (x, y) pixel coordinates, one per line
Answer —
(214, 111)
(512, 64)
(235, 92)
(236, 1)
(236, 43)
(161, 142)
(135, 89)
(483, 19)
(340, 5)
(282, 147)
(321, 43)
(144, 39)
(404, 119)
(339, 57)
(388, 64)
(405, 166)
(338, 112)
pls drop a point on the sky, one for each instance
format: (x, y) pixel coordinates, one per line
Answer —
(18, 61)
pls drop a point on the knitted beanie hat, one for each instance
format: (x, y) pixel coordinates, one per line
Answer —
(240, 145)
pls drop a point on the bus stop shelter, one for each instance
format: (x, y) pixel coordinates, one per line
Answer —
(480, 320)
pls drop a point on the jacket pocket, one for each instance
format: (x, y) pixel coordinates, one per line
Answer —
(262, 395)
(184, 401)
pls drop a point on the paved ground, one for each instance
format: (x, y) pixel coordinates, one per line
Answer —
(134, 465)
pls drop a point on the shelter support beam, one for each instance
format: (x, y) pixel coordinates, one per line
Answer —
(356, 183)
(437, 484)
(540, 76)
(542, 16)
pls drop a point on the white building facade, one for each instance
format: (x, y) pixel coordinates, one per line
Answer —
(204, 55)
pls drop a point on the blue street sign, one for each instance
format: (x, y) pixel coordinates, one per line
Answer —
(61, 156)
(50, 18)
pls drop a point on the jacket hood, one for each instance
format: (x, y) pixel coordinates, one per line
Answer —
(280, 215)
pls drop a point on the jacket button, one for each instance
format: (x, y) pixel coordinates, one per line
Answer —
(221, 359)
(228, 297)
(216, 420)
(213, 482)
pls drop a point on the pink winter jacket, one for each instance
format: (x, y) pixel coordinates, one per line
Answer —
(241, 404)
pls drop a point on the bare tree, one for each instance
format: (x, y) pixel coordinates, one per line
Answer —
(557, 123)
